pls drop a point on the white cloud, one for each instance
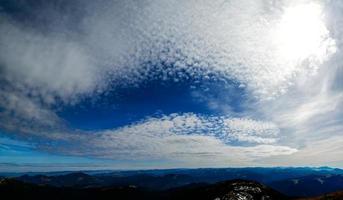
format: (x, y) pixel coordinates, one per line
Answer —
(46, 65)
(229, 130)
(310, 113)
(315, 153)
(247, 130)
(188, 138)
(230, 39)
(25, 115)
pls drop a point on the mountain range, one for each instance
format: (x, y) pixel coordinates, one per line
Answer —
(276, 183)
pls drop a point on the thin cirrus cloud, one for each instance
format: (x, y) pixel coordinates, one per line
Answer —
(61, 56)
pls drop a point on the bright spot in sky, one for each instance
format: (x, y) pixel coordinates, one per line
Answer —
(302, 34)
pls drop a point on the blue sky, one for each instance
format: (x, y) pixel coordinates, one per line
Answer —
(161, 84)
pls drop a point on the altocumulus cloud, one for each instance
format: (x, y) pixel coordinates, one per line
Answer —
(94, 47)
(187, 137)
(135, 41)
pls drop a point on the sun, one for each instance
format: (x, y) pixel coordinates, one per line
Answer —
(301, 33)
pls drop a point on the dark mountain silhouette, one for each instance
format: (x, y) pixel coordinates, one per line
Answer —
(78, 179)
(82, 180)
(235, 189)
(330, 196)
(14, 189)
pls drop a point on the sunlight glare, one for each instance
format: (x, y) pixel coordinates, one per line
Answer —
(301, 33)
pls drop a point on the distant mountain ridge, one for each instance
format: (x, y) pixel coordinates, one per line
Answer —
(301, 182)
(311, 185)
(267, 170)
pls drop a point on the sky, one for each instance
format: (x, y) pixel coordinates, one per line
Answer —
(170, 84)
